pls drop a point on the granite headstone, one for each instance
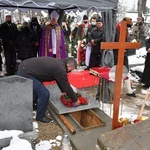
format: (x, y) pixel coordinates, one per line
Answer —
(16, 103)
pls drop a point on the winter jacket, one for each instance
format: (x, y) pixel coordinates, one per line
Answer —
(98, 36)
(25, 42)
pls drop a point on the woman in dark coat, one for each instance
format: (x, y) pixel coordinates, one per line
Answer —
(146, 73)
(25, 42)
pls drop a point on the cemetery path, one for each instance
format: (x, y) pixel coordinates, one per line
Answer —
(130, 107)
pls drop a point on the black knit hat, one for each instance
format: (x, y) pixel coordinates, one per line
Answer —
(99, 19)
(85, 17)
(34, 19)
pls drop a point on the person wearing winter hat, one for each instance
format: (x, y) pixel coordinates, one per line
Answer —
(53, 40)
(82, 28)
(36, 30)
(138, 31)
(81, 37)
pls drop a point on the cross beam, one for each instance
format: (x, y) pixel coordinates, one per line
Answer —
(121, 46)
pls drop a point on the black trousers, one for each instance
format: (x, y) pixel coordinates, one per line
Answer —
(10, 58)
(95, 60)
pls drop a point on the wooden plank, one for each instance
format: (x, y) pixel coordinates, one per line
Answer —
(67, 124)
(143, 105)
(119, 45)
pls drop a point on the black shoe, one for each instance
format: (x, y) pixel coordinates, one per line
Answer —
(132, 94)
(45, 120)
(6, 74)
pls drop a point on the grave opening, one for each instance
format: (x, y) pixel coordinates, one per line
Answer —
(87, 119)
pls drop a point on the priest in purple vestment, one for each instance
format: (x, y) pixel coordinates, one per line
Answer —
(53, 41)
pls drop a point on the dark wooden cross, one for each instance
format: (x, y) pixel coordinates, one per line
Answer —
(121, 46)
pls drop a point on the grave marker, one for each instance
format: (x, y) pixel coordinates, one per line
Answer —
(16, 103)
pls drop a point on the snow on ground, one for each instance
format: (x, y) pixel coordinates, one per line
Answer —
(21, 144)
(138, 58)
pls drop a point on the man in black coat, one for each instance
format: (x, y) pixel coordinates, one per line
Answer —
(41, 69)
(8, 32)
(96, 37)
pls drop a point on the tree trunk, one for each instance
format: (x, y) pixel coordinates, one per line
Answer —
(141, 7)
(144, 6)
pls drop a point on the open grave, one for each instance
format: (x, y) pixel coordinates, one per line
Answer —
(83, 124)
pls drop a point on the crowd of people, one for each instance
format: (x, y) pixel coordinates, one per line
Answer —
(46, 47)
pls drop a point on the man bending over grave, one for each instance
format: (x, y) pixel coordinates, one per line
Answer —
(41, 69)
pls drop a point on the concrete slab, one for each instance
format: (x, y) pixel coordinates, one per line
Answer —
(130, 137)
(60, 108)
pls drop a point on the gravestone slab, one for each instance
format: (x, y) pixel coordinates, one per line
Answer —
(16, 103)
(60, 108)
(130, 137)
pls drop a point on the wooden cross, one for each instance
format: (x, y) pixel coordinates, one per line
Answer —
(121, 46)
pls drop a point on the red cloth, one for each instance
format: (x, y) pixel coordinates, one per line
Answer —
(100, 70)
(81, 79)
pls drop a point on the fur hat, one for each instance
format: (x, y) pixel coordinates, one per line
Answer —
(139, 18)
(54, 14)
(85, 17)
(8, 16)
(129, 21)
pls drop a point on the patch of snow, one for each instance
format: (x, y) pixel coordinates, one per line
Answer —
(9, 133)
(18, 144)
(43, 145)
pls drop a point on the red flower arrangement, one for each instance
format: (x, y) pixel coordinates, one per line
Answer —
(82, 52)
(68, 102)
